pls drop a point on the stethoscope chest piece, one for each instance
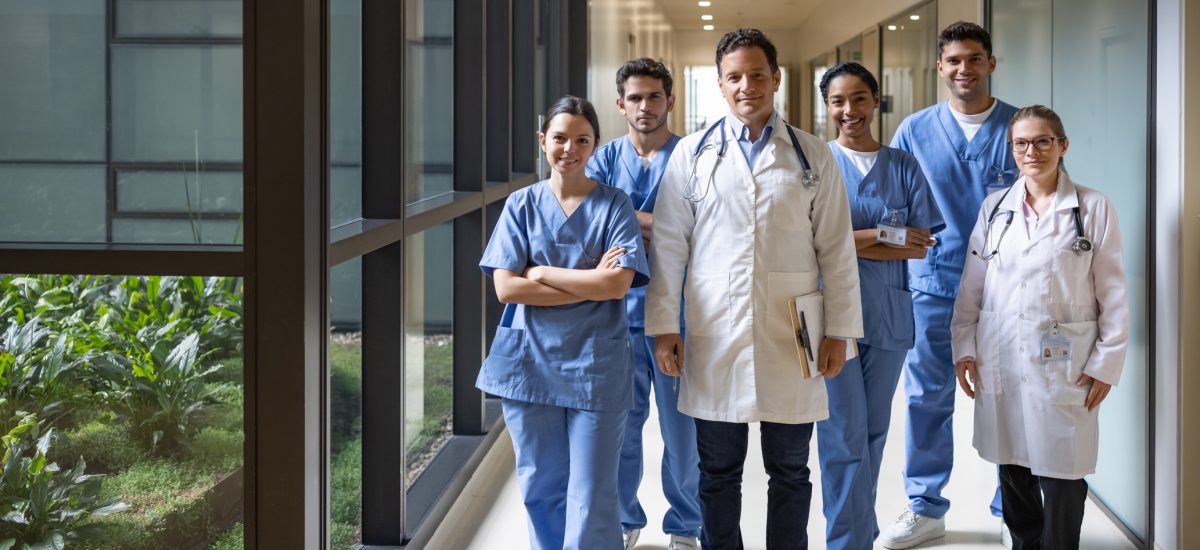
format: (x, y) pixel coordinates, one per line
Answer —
(1081, 246)
(810, 180)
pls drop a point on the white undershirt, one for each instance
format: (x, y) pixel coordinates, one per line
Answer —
(862, 161)
(970, 124)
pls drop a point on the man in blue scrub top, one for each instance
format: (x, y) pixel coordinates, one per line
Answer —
(962, 146)
(634, 163)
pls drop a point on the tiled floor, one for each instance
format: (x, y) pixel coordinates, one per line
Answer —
(490, 515)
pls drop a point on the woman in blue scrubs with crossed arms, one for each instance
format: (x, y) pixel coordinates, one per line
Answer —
(894, 216)
(563, 254)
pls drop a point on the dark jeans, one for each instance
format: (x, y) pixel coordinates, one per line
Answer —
(1036, 525)
(722, 449)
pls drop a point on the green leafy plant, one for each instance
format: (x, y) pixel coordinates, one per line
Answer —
(168, 306)
(32, 377)
(41, 505)
(161, 391)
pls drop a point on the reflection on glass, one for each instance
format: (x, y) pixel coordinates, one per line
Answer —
(179, 18)
(820, 114)
(345, 111)
(52, 203)
(138, 381)
(429, 99)
(909, 80)
(345, 405)
(851, 50)
(429, 344)
(705, 104)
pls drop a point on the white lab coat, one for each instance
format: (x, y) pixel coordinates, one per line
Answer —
(1029, 412)
(754, 241)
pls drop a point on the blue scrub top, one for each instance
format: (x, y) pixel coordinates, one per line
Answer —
(616, 163)
(574, 355)
(894, 184)
(961, 174)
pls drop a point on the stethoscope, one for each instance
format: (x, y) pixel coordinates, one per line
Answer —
(810, 179)
(1080, 247)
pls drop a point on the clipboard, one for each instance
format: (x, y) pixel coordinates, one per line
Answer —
(808, 329)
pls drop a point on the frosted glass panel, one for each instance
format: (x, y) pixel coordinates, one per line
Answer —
(179, 191)
(52, 203)
(1100, 86)
(1022, 43)
(177, 103)
(52, 98)
(179, 18)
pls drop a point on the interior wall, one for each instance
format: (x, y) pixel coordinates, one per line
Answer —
(620, 30)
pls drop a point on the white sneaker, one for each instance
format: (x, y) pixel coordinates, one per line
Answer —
(631, 537)
(679, 542)
(911, 529)
(1005, 535)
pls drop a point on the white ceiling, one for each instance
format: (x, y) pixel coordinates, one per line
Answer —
(733, 14)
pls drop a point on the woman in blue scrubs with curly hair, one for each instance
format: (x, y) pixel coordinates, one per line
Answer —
(563, 254)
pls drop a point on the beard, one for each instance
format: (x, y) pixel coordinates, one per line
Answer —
(662, 121)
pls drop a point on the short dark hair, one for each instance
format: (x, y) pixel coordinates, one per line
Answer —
(643, 66)
(572, 105)
(962, 30)
(848, 68)
(746, 38)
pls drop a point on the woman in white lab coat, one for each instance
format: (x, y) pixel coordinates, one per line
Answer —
(1039, 333)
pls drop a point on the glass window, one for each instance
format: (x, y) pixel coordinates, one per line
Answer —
(212, 18)
(63, 203)
(345, 111)
(429, 99)
(705, 104)
(52, 100)
(821, 128)
(177, 103)
(177, 231)
(851, 50)
(185, 191)
(909, 81)
(345, 405)
(429, 344)
(141, 380)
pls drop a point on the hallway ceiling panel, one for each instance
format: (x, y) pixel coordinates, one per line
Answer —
(732, 14)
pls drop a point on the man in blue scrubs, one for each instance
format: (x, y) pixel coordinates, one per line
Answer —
(962, 148)
(634, 163)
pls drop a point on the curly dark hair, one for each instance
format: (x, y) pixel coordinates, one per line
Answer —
(643, 66)
(745, 38)
(848, 68)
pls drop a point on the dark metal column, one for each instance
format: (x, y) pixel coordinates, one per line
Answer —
(383, 274)
(286, 204)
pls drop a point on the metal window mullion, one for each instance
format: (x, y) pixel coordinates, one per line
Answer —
(498, 85)
(384, 485)
(524, 113)
(471, 40)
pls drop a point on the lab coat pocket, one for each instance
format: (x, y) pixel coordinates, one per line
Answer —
(782, 287)
(987, 349)
(707, 298)
(1071, 282)
(791, 204)
(1064, 374)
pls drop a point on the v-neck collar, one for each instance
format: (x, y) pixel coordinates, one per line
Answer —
(852, 175)
(552, 211)
(968, 150)
(637, 172)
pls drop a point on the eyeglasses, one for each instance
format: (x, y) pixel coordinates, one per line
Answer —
(1043, 143)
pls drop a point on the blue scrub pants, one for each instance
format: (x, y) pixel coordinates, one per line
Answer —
(850, 444)
(567, 470)
(680, 464)
(929, 383)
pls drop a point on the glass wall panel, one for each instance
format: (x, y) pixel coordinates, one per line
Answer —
(55, 203)
(177, 103)
(184, 192)
(820, 116)
(851, 50)
(177, 231)
(138, 382)
(429, 99)
(52, 100)
(705, 104)
(1022, 42)
(909, 79)
(1100, 52)
(345, 111)
(429, 344)
(345, 406)
(211, 18)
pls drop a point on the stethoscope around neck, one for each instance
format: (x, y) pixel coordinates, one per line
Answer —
(691, 192)
(1080, 247)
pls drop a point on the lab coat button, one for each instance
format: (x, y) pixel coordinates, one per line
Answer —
(1025, 253)
(1024, 380)
(1021, 349)
(750, 229)
(1022, 285)
(1022, 315)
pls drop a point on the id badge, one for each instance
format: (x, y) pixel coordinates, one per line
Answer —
(890, 234)
(1055, 348)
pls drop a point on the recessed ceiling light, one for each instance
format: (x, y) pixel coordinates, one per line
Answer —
(891, 27)
(704, 3)
(706, 17)
(709, 27)
(915, 17)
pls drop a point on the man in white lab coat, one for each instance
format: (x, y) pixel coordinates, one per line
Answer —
(756, 213)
